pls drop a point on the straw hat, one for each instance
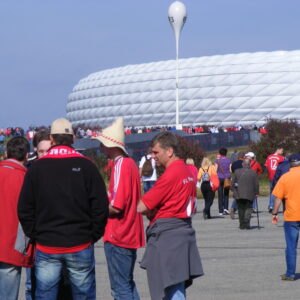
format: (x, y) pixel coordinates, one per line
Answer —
(113, 135)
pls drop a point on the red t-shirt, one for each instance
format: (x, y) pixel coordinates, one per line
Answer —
(125, 230)
(272, 163)
(255, 166)
(194, 171)
(173, 194)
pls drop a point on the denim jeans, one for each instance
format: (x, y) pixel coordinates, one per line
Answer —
(120, 264)
(80, 267)
(223, 196)
(29, 284)
(147, 185)
(291, 231)
(175, 292)
(272, 198)
(10, 277)
(234, 205)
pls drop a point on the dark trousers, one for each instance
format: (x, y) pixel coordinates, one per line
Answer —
(208, 196)
(223, 196)
(244, 210)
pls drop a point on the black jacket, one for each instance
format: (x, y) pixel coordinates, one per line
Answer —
(63, 202)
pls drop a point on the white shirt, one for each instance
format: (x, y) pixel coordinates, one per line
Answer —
(154, 176)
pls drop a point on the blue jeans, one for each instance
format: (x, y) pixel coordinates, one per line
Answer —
(147, 185)
(272, 198)
(80, 267)
(291, 231)
(120, 264)
(10, 277)
(223, 196)
(29, 285)
(234, 205)
(175, 292)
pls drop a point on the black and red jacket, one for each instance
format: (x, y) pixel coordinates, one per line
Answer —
(63, 201)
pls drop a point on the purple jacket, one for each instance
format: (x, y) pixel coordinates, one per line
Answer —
(223, 167)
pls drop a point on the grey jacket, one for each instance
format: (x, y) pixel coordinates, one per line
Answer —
(245, 184)
(171, 255)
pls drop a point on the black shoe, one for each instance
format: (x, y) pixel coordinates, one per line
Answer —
(270, 210)
(204, 215)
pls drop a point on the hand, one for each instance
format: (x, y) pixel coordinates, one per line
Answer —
(275, 219)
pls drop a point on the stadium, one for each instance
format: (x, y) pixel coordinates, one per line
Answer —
(222, 90)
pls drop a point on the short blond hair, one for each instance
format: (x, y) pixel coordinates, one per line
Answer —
(190, 161)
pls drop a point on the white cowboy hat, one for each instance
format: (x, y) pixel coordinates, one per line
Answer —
(113, 135)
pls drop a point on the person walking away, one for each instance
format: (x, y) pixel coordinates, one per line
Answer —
(271, 165)
(236, 165)
(63, 208)
(147, 171)
(288, 188)
(223, 170)
(171, 258)
(255, 166)
(193, 169)
(13, 254)
(205, 171)
(124, 232)
(245, 188)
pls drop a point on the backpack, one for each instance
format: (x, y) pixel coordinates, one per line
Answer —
(147, 169)
(205, 176)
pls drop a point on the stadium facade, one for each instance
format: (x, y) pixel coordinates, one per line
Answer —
(223, 90)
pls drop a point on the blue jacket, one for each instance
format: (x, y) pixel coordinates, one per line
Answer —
(282, 168)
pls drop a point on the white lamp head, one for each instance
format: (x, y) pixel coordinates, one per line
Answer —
(177, 17)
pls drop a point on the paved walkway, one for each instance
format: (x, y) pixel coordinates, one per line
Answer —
(238, 264)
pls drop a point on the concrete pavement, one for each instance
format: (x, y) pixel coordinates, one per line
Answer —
(238, 264)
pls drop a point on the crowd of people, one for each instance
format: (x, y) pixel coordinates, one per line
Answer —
(84, 132)
(55, 206)
(240, 174)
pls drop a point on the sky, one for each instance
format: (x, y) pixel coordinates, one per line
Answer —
(47, 46)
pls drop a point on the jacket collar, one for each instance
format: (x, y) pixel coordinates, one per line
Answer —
(13, 164)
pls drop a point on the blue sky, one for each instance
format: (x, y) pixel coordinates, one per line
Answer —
(47, 46)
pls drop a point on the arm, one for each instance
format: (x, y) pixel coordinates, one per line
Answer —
(277, 204)
(98, 204)
(142, 208)
(113, 211)
(26, 207)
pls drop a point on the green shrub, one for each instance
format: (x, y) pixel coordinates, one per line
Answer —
(280, 133)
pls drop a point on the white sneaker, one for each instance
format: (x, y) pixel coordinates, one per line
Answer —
(220, 214)
(226, 211)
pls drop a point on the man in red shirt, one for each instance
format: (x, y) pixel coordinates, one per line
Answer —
(171, 259)
(271, 164)
(12, 258)
(124, 232)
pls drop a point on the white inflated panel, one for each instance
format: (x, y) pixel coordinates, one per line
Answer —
(234, 89)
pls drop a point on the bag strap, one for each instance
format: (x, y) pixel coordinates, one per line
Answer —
(220, 165)
(204, 170)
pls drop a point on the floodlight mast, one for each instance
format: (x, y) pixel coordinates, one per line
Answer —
(177, 17)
